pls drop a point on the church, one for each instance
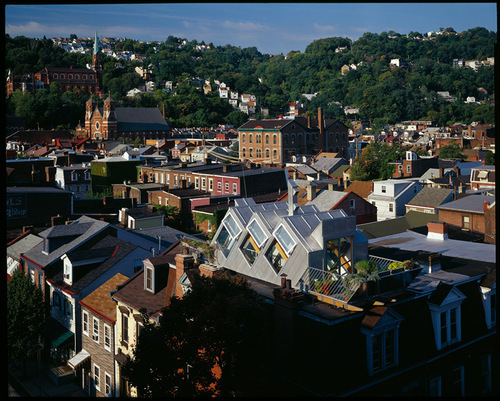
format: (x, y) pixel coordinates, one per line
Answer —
(109, 122)
(81, 79)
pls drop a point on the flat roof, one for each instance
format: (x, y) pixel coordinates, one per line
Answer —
(412, 241)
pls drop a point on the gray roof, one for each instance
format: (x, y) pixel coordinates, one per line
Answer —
(168, 235)
(80, 227)
(140, 119)
(328, 163)
(412, 241)
(430, 197)
(471, 203)
(23, 245)
(325, 200)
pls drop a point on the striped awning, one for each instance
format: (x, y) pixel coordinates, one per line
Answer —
(78, 359)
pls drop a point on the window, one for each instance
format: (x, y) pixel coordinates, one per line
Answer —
(276, 256)
(203, 183)
(243, 152)
(446, 316)
(149, 279)
(435, 387)
(382, 339)
(257, 233)
(95, 330)
(87, 175)
(338, 254)
(74, 176)
(97, 377)
(466, 222)
(138, 328)
(384, 189)
(235, 188)
(156, 177)
(352, 204)
(85, 319)
(56, 300)
(391, 207)
(219, 185)
(408, 169)
(242, 138)
(275, 139)
(107, 385)
(250, 249)
(228, 234)
(70, 76)
(63, 76)
(107, 337)
(125, 328)
(196, 185)
(267, 139)
(284, 239)
(458, 381)
(210, 185)
(486, 374)
(226, 186)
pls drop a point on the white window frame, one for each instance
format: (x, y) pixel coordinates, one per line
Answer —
(235, 188)
(85, 323)
(288, 250)
(264, 232)
(97, 378)
(383, 351)
(147, 270)
(95, 333)
(461, 381)
(107, 384)
(107, 337)
(210, 184)
(446, 307)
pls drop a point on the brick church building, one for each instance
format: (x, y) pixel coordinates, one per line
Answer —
(81, 79)
(109, 122)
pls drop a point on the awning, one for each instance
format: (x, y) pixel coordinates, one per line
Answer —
(61, 338)
(78, 359)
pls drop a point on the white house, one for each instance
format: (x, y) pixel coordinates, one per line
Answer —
(391, 196)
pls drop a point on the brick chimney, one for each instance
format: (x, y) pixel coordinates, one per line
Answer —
(437, 230)
(321, 122)
(486, 205)
(182, 263)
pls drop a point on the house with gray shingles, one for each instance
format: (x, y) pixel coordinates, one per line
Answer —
(428, 199)
(16, 248)
(391, 196)
(267, 241)
(328, 165)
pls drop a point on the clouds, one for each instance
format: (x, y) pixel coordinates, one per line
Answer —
(271, 27)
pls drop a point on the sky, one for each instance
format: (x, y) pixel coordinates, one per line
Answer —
(272, 28)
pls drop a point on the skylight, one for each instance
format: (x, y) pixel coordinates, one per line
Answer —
(284, 239)
(257, 233)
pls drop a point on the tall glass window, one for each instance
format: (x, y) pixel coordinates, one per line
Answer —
(285, 240)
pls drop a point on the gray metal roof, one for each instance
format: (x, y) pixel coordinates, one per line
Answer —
(328, 163)
(471, 203)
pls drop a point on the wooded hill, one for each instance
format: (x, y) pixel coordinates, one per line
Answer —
(383, 93)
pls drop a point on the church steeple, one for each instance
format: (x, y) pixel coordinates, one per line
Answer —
(96, 44)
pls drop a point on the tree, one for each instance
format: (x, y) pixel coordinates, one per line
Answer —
(451, 151)
(220, 322)
(374, 162)
(25, 318)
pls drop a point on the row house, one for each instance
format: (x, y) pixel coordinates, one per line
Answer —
(216, 179)
(76, 179)
(391, 196)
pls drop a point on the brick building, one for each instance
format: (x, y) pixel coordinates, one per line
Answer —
(275, 141)
(69, 79)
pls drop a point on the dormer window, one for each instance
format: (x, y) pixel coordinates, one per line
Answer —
(445, 307)
(381, 328)
(284, 239)
(148, 278)
(228, 234)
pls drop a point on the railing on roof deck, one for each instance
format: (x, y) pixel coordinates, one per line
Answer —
(338, 287)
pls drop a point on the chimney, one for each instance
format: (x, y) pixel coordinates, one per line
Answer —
(183, 183)
(430, 261)
(441, 172)
(311, 192)
(308, 121)
(292, 197)
(486, 205)
(182, 263)
(437, 230)
(321, 137)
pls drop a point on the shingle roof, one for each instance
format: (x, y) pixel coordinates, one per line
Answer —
(431, 197)
(325, 200)
(471, 203)
(23, 245)
(361, 188)
(100, 301)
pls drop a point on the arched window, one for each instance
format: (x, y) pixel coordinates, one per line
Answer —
(84, 76)
(258, 153)
(243, 153)
(275, 139)
(258, 137)
(62, 76)
(55, 76)
(242, 138)
(337, 136)
(250, 152)
(275, 154)
(343, 136)
(292, 139)
(267, 139)
(250, 138)
(70, 76)
(77, 76)
(91, 76)
(330, 140)
(267, 153)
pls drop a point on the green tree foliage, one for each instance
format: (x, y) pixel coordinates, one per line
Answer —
(219, 321)
(378, 89)
(374, 162)
(25, 317)
(451, 151)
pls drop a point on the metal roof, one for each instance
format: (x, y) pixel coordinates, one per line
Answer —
(471, 203)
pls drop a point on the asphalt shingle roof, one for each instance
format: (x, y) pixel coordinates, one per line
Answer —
(431, 197)
(471, 203)
(140, 119)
